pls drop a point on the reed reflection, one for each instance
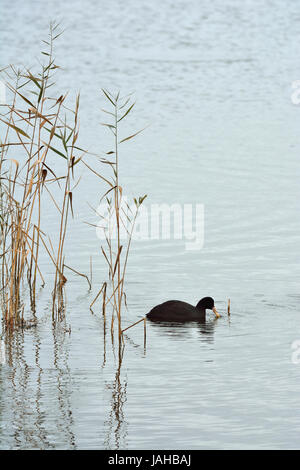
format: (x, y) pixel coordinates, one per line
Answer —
(64, 418)
(115, 424)
(37, 402)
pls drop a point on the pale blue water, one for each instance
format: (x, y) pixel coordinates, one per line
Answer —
(213, 80)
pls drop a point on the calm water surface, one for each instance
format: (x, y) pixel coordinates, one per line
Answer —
(213, 80)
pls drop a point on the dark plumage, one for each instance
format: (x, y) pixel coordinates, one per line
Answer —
(175, 310)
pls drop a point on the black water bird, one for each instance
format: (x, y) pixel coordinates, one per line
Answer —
(175, 310)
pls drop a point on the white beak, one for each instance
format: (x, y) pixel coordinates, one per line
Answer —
(215, 312)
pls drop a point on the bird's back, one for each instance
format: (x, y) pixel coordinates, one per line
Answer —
(174, 310)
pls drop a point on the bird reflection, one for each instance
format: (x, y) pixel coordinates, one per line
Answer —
(182, 329)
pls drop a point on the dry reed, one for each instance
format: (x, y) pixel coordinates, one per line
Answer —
(35, 126)
(119, 214)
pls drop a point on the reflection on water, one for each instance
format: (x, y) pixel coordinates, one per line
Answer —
(64, 384)
(31, 407)
(115, 424)
(197, 384)
(213, 79)
(181, 329)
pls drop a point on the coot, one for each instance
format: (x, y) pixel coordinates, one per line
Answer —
(175, 310)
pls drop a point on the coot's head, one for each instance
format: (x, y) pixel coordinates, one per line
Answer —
(208, 303)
